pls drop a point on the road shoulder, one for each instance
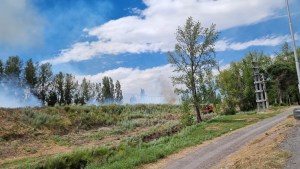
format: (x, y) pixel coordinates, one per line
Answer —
(292, 145)
(263, 152)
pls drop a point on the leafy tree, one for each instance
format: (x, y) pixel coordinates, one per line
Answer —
(119, 96)
(69, 88)
(13, 66)
(193, 56)
(237, 84)
(44, 79)
(282, 74)
(59, 86)
(30, 73)
(77, 94)
(85, 91)
(112, 89)
(98, 93)
(1, 69)
(52, 98)
(107, 90)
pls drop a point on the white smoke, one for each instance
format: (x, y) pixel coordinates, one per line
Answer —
(13, 95)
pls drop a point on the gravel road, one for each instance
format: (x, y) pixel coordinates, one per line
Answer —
(292, 144)
(210, 155)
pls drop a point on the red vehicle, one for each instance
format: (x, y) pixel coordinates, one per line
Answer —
(207, 109)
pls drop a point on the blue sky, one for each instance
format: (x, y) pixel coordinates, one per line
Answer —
(95, 38)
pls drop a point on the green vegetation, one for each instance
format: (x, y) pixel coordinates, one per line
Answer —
(135, 150)
(236, 82)
(193, 60)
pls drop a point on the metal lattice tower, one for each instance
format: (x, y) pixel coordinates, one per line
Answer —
(260, 88)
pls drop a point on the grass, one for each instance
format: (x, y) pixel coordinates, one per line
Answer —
(60, 140)
(133, 152)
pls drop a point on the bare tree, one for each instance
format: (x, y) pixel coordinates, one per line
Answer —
(194, 55)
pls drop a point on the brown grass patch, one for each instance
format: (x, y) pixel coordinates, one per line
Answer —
(213, 128)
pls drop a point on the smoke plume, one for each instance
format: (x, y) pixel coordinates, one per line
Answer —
(13, 95)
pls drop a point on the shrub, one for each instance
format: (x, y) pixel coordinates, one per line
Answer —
(186, 117)
(40, 119)
(229, 111)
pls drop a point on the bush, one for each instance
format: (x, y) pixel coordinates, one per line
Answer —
(75, 160)
(40, 119)
(186, 117)
(229, 111)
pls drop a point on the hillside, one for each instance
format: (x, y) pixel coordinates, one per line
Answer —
(34, 132)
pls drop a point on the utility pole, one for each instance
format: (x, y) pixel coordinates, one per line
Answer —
(294, 43)
(260, 88)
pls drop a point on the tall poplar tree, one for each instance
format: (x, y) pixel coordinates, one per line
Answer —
(44, 79)
(30, 73)
(13, 66)
(118, 93)
(69, 88)
(193, 56)
(59, 85)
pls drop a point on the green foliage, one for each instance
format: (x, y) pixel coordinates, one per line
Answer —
(44, 76)
(186, 117)
(60, 141)
(229, 111)
(237, 84)
(40, 119)
(51, 99)
(193, 58)
(107, 90)
(69, 88)
(118, 93)
(30, 73)
(13, 66)
(1, 69)
(75, 160)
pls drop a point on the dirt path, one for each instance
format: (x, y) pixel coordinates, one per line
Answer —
(292, 145)
(213, 153)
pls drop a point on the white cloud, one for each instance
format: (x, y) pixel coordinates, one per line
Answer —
(152, 29)
(156, 82)
(20, 24)
(216, 71)
(223, 45)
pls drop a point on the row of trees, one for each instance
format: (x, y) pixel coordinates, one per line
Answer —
(62, 89)
(236, 82)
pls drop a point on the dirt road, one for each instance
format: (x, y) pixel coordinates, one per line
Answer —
(210, 155)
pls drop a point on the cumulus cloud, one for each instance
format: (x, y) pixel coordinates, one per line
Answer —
(152, 29)
(20, 23)
(156, 82)
(223, 45)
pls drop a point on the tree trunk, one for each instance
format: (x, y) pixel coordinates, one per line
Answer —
(297, 97)
(195, 101)
(280, 97)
